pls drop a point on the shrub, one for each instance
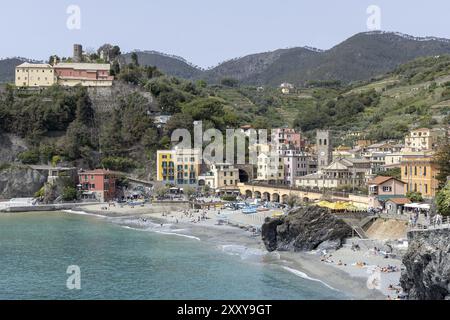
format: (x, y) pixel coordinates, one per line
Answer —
(118, 163)
(443, 201)
(29, 157)
(229, 198)
(69, 194)
(414, 196)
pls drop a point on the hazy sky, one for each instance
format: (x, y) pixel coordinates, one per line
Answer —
(206, 32)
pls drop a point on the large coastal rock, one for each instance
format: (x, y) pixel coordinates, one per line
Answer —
(20, 181)
(305, 229)
(427, 265)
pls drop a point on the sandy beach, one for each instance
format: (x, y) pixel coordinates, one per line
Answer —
(359, 274)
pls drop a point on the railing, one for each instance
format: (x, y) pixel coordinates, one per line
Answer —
(437, 223)
(342, 194)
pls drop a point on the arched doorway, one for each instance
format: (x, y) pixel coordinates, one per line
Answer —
(275, 197)
(257, 195)
(243, 176)
(266, 196)
(248, 194)
(284, 198)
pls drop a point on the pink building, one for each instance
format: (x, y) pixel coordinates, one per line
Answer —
(382, 189)
(86, 74)
(289, 138)
(97, 184)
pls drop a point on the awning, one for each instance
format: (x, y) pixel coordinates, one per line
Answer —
(422, 206)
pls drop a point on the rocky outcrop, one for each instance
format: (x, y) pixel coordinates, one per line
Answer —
(305, 229)
(427, 265)
(10, 147)
(20, 181)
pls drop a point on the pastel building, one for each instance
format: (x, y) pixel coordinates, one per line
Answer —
(85, 74)
(97, 185)
(270, 168)
(296, 164)
(178, 166)
(382, 189)
(419, 172)
(220, 175)
(349, 173)
(287, 138)
(423, 139)
(35, 75)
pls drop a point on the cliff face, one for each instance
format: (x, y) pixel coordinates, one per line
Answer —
(16, 182)
(427, 262)
(305, 229)
(10, 147)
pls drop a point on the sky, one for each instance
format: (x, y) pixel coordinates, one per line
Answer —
(205, 32)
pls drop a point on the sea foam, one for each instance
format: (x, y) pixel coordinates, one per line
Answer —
(305, 276)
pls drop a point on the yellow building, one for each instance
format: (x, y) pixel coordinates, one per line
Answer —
(419, 173)
(35, 75)
(179, 167)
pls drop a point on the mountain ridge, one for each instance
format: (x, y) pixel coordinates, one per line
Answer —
(361, 57)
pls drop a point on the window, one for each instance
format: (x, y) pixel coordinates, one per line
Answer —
(425, 171)
(387, 189)
(92, 186)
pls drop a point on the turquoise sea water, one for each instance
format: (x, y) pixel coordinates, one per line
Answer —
(123, 263)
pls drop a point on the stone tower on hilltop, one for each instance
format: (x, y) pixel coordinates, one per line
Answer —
(324, 149)
(77, 53)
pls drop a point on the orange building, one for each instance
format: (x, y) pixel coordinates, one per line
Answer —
(97, 184)
(419, 172)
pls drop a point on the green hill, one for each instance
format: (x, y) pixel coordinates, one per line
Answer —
(8, 67)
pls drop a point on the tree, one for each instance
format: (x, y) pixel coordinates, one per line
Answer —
(204, 109)
(414, 196)
(179, 121)
(394, 172)
(189, 192)
(29, 157)
(115, 68)
(443, 200)
(69, 194)
(442, 159)
(54, 59)
(229, 82)
(135, 59)
(84, 111)
(292, 200)
(161, 190)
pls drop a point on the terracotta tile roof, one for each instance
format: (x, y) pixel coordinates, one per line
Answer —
(400, 201)
(380, 180)
(96, 171)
